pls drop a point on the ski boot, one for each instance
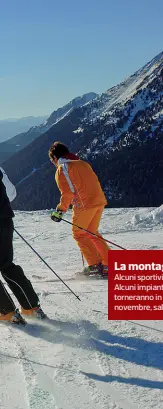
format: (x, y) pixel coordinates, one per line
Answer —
(35, 312)
(95, 270)
(13, 317)
(104, 272)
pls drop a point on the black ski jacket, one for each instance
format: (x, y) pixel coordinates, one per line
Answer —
(6, 211)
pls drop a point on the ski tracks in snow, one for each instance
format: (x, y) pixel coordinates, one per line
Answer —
(13, 391)
(106, 392)
(21, 389)
(81, 356)
(68, 361)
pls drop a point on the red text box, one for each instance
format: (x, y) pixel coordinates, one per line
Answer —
(135, 285)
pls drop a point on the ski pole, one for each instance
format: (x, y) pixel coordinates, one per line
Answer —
(46, 264)
(93, 234)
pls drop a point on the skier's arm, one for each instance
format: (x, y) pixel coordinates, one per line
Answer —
(66, 193)
(10, 188)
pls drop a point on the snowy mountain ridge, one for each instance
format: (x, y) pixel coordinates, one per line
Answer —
(23, 139)
(119, 133)
(13, 126)
(60, 113)
(119, 105)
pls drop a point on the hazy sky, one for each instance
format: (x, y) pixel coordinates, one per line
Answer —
(54, 50)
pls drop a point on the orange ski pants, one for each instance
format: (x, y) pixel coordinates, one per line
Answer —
(94, 249)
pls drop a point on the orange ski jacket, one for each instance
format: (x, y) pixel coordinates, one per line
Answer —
(78, 185)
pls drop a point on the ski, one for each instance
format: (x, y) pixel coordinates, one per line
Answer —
(82, 276)
(20, 324)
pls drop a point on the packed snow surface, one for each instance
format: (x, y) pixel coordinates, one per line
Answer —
(78, 359)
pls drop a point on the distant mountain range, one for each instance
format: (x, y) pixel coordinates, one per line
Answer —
(31, 132)
(119, 132)
(12, 126)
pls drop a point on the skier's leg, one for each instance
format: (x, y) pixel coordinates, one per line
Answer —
(13, 274)
(8, 310)
(20, 286)
(6, 303)
(83, 218)
(100, 245)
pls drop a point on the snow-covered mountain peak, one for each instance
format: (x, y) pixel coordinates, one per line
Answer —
(123, 92)
(118, 132)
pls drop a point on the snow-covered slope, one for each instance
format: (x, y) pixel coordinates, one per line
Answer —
(79, 359)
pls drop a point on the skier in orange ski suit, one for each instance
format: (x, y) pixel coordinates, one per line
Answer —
(80, 187)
